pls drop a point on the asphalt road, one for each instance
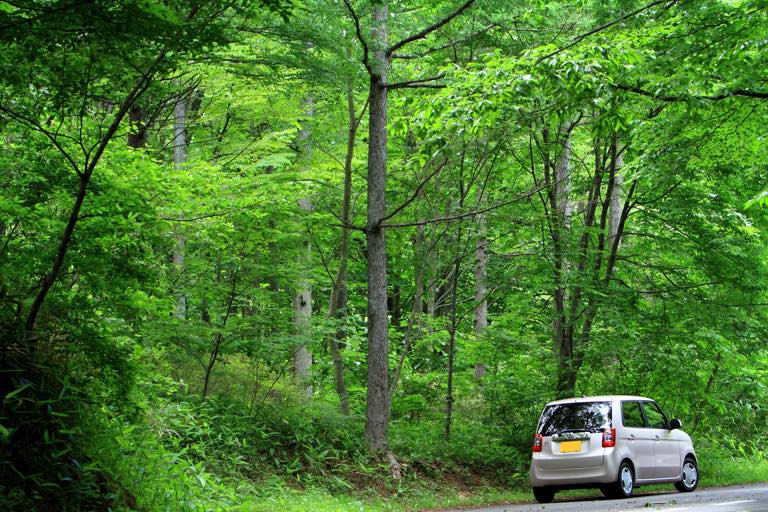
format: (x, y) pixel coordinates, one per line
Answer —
(746, 498)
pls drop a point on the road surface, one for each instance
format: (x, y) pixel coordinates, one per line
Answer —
(744, 498)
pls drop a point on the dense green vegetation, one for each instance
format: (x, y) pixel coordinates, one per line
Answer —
(337, 255)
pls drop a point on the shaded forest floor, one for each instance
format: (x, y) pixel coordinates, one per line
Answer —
(185, 454)
(163, 449)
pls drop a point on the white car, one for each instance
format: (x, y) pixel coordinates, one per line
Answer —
(614, 443)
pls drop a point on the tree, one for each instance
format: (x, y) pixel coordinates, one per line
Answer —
(376, 430)
(27, 29)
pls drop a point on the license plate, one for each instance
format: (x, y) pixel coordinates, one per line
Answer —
(570, 446)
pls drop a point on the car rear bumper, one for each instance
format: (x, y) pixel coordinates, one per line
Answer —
(574, 477)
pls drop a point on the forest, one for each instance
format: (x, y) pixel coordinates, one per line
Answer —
(337, 255)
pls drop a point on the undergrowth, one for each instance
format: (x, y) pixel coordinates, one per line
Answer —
(166, 450)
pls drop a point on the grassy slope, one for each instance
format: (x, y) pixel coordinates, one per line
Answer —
(296, 457)
(727, 472)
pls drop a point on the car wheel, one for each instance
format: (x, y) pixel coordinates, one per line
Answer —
(624, 484)
(690, 476)
(543, 494)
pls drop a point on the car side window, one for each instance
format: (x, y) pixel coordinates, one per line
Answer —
(656, 418)
(632, 415)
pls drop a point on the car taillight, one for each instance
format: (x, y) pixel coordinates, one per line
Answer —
(537, 442)
(609, 438)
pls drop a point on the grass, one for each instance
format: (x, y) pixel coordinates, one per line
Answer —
(296, 459)
(412, 500)
(735, 471)
(425, 496)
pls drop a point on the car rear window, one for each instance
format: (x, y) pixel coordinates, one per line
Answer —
(576, 417)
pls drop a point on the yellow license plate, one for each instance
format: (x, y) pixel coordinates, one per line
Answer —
(570, 446)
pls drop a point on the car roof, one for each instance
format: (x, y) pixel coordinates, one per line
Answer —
(599, 398)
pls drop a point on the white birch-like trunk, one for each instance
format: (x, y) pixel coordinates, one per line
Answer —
(179, 157)
(563, 218)
(481, 278)
(302, 300)
(563, 184)
(616, 204)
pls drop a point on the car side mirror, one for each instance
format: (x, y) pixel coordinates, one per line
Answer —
(675, 423)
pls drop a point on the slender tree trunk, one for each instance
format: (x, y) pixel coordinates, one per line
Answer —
(85, 177)
(302, 303)
(591, 310)
(566, 374)
(481, 274)
(433, 287)
(418, 278)
(431, 261)
(616, 204)
(563, 183)
(338, 303)
(605, 253)
(179, 157)
(562, 343)
(707, 390)
(212, 358)
(561, 207)
(393, 305)
(451, 349)
(413, 330)
(218, 338)
(376, 427)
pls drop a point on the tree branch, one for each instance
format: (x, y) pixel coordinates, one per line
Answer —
(424, 33)
(414, 195)
(50, 135)
(583, 36)
(359, 33)
(461, 216)
(88, 168)
(418, 83)
(345, 224)
(444, 46)
(715, 97)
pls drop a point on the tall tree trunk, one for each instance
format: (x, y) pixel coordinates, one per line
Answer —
(432, 283)
(338, 304)
(376, 426)
(418, 277)
(302, 302)
(562, 218)
(432, 259)
(179, 157)
(616, 204)
(563, 183)
(605, 253)
(481, 275)
(561, 342)
(451, 348)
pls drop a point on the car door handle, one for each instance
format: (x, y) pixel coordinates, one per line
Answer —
(631, 437)
(658, 438)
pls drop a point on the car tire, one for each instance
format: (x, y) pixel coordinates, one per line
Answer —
(624, 484)
(543, 494)
(690, 476)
